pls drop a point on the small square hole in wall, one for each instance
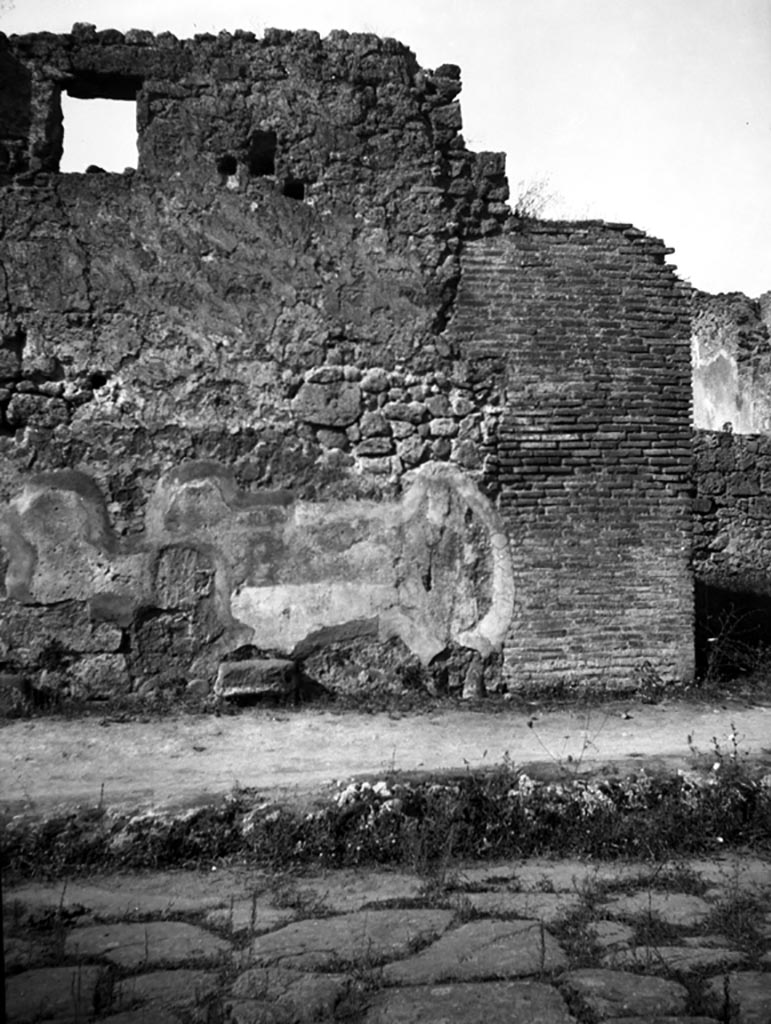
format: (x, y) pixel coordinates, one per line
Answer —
(99, 133)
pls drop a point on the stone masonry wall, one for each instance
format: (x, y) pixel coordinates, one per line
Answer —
(732, 511)
(591, 463)
(300, 392)
(732, 551)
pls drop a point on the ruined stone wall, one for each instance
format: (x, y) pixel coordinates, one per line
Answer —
(732, 551)
(732, 511)
(731, 362)
(299, 388)
(592, 454)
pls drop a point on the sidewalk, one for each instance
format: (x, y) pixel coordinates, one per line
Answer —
(53, 763)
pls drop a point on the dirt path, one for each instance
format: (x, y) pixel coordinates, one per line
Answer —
(46, 763)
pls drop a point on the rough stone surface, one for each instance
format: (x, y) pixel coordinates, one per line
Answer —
(346, 890)
(368, 936)
(290, 995)
(481, 950)
(53, 992)
(661, 959)
(672, 908)
(515, 1002)
(258, 677)
(22, 953)
(732, 531)
(607, 993)
(611, 934)
(164, 990)
(146, 944)
(461, 971)
(540, 906)
(160, 1015)
(745, 996)
(255, 914)
(658, 1019)
(155, 892)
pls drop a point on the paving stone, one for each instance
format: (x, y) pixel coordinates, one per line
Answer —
(539, 874)
(247, 915)
(708, 941)
(605, 993)
(142, 1015)
(611, 934)
(495, 1002)
(674, 908)
(51, 992)
(655, 959)
(157, 892)
(749, 997)
(345, 891)
(21, 954)
(145, 944)
(734, 871)
(661, 1020)
(541, 906)
(366, 935)
(479, 950)
(267, 993)
(180, 989)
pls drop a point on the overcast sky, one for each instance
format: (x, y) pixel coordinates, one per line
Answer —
(651, 111)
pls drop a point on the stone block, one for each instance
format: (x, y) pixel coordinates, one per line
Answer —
(375, 380)
(605, 993)
(146, 944)
(375, 446)
(438, 405)
(478, 950)
(466, 453)
(335, 404)
(374, 424)
(743, 485)
(60, 993)
(401, 429)
(412, 412)
(100, 676)
(443, 426)
(744, 996)
(321, 943)
(488, 1002)
(36, 411)
(15, 691)
(257, 677)
(329, 438)
(413, 450)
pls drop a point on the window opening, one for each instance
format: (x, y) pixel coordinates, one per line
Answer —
(227, 165)
(262, 154)
(98, 133)
(294, 188)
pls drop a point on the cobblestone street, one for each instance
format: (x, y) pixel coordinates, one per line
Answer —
(536, 942)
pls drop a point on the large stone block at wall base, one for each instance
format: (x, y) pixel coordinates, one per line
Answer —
(257, 677)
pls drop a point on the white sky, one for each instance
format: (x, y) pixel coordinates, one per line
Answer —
(651, 111)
